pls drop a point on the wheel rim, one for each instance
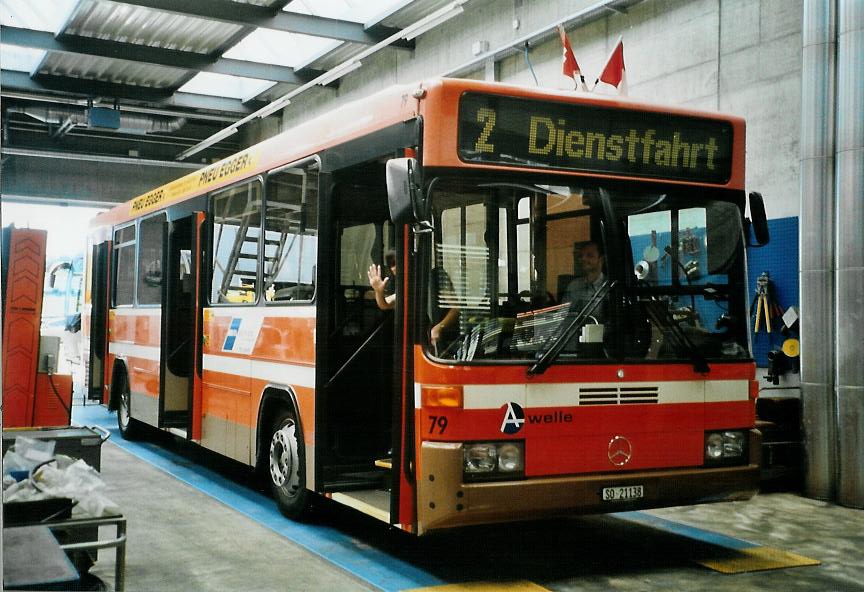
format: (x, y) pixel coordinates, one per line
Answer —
(284, 458)
(123, 412)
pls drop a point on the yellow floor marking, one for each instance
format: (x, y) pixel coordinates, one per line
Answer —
(756, 559)
(358, 504)
(519, 586)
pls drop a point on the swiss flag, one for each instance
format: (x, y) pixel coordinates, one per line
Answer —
(613, 73)
(569, 66)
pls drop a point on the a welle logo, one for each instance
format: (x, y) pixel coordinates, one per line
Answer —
(515, 418)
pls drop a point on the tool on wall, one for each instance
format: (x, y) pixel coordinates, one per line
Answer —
(766, 303)
(786, 358)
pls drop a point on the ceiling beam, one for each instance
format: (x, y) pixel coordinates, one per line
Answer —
(161, 97)
(103, 158)
(134, 52)
(264, 16)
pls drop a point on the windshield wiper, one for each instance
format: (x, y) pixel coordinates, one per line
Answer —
(558, 342)
(660, 314)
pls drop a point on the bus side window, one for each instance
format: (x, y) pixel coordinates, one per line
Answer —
(291, 235)
(236, 218)
(150, 260)
(123, 288)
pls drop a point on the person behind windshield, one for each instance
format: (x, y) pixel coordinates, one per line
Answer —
(384, 286)
(385, 296)
(580, 290)
(445, 319)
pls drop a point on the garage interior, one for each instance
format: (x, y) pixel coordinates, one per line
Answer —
(104, 100)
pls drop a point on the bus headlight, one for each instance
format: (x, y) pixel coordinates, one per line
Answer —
(726, 446)
(493, 460)
(509, 458)
(480, 458)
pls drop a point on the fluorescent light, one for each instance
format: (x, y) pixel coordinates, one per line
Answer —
(337, 73)
(433, 20)
(272, 108)
(217, 137)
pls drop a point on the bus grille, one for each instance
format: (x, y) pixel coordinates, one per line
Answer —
(618, 395)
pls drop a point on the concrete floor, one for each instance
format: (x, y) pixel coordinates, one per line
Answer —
(181, 538)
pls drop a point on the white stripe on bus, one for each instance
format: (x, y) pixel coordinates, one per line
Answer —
(495, 396)
(276, 372)
(129, 311)
(132, 350)
(262, 312)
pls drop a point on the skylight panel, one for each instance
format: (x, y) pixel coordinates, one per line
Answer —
(222, 85)
(280, 48)
(21, 59)
(359, 11)
(41, 15)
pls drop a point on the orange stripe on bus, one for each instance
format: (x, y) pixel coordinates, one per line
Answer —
(137, 329)
(280, 339)
(143, 376)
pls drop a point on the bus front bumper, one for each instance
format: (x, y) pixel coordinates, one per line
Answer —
(445, 501)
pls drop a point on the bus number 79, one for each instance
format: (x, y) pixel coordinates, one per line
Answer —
(437, 421)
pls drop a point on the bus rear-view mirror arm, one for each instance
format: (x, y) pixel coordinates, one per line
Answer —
(405, 194)
(758, 221)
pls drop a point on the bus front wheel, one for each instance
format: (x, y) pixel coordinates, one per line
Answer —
(287, 467)
(130, 429)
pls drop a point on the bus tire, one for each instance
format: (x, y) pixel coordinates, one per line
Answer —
(130, 428)
(286, 466)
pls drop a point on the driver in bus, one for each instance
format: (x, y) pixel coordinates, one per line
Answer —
(580, 290)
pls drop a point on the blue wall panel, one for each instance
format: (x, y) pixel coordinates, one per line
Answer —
(780, 259)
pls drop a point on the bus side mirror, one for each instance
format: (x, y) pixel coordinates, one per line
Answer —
(404, 195)
(758, 221)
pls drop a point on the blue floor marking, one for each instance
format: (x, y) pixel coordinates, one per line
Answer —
(691, 532)
(369, 564)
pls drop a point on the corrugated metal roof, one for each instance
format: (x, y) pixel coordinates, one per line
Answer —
(111, 70)
(413, 12)
(104, 19)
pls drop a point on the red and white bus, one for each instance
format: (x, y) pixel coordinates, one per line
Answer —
(569, 332)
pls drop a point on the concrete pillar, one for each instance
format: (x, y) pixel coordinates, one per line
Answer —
(849, 272)
(816, 224)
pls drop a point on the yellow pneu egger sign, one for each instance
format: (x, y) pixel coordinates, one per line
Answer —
(230, 169)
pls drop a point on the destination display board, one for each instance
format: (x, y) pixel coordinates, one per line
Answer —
(565, 136)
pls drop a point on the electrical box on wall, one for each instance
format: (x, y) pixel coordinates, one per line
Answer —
(49, 353)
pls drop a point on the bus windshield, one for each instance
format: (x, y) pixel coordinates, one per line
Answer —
(618, 274)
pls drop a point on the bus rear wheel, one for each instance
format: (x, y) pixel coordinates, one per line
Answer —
(287, 467)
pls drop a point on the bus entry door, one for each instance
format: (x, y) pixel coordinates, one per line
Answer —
(180, 312)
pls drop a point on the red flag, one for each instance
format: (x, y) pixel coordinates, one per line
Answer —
(614, 73)
(569, 66)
